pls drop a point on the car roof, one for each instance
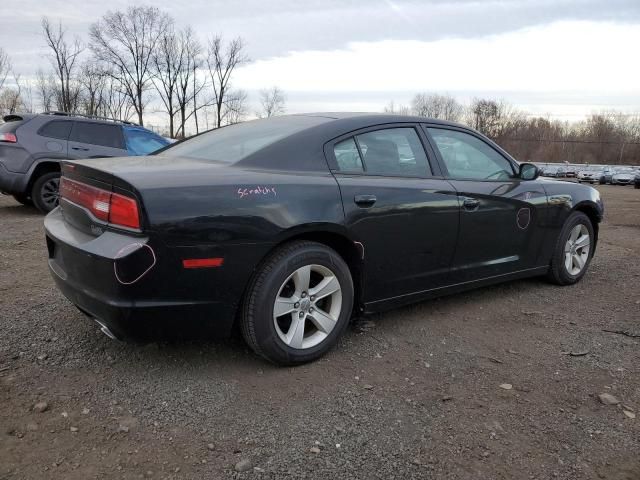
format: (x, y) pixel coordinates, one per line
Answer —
(70, 116)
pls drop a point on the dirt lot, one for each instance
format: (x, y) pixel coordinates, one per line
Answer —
(414, 393)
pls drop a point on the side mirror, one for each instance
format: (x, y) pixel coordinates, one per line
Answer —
(528, 171)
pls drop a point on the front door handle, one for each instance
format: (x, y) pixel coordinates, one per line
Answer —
(80, 148)
(365, 201)
(471, 204)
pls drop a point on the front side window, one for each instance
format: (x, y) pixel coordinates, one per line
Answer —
(56, 129)
(143, 142)
(469, 158)
(97, 134)
(393, 151)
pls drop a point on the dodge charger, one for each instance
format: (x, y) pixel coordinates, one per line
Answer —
(288, 227)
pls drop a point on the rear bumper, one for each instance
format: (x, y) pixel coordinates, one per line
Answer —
(94, 275)
(12, 183)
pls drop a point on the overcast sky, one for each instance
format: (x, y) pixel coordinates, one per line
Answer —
(563, 57)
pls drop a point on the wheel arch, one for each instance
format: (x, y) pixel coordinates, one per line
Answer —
(41, 167)
(591, 211)
(336, 238)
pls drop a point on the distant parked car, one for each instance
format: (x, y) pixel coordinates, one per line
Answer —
(590, 175)
(553, 171)
(636, 180)
(33, 145)
(623, 176)
(570, 172)
(605, 176)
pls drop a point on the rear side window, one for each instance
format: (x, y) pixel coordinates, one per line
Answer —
(59, 129)
(347, 156)
(143, 142)
(97, 134)
(391, 151)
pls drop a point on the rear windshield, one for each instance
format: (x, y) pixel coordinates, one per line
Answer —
(235, 142)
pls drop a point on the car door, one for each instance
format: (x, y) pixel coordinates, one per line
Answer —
(501, 217)
(402, 215)
(94, 139)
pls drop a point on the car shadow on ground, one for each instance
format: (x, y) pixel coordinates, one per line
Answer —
(232, 352)
(19, 210)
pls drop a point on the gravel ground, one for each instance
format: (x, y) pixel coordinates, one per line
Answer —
(502, 382)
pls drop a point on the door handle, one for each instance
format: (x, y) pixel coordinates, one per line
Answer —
(365, 201)
(80, 148)
(471, 204)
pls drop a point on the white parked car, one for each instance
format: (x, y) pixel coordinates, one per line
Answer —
(590, 175)
(623, 176)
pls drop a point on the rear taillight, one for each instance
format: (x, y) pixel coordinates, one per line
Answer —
(8, 137)
(116, 209)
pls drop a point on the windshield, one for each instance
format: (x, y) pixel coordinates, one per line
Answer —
(235, 142)
(143, 142)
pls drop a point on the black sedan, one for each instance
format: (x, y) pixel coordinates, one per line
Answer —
(290, 226)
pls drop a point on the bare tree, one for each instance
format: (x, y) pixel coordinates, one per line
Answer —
(126, 42)
(443, 107)
(168, 61)
(11, 99)
(222, 61)
(116, 103)
(93, 81)
(190, 84)
(235, 107)
(64, 58)
(5, 67)
(391, 107)
(46, 90)
(272, 102)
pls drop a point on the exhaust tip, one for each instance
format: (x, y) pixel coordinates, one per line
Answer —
(104, 329)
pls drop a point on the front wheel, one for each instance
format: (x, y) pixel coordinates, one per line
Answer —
(573, 250)
(298, 303)
(44, 192)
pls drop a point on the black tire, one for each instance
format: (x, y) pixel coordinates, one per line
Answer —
(42, 192)
(257, 321)
(23, 199)
(558, 272)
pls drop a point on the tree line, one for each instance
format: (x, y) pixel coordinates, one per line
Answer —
(136, 62)
(605, 138)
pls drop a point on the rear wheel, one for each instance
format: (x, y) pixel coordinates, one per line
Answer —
(45, 191)
(23, 199)
(298, 304)
(573, 251)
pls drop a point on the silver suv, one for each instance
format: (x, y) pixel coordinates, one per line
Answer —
(32, 146)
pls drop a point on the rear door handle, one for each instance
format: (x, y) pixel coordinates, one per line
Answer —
(365, 201)
(471, 204)
(80, 148)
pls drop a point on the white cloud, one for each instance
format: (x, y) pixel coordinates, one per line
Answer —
(586, 57)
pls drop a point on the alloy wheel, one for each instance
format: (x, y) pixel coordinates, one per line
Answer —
(576, 249)
(307, 307)
(50, 193)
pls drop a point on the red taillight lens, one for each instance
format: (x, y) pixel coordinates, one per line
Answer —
(8, 137)
(107, 206)
(124, 211)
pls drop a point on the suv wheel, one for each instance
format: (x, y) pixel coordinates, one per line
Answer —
(298, 303)
(45, 191)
